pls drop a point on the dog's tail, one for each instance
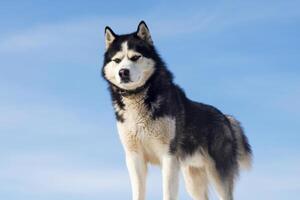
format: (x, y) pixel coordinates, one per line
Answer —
(244, 148)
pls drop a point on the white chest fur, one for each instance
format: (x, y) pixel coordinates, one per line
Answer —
(140, 132)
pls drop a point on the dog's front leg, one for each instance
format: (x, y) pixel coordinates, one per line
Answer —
(170, 173)
(137, 171)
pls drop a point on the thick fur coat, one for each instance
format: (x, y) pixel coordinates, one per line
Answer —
(159, 124)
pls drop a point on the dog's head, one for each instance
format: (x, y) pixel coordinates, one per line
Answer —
(129, 60)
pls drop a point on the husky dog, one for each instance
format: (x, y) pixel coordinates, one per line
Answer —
(158, 124)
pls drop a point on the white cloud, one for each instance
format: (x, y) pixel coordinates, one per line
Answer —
(49, 174)
(272, 180)
(45, 174)
(88, 31)
(63, 36)
(28, 112)
(41, 119)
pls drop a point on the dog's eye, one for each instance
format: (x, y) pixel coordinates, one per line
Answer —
(117, 60)
(135, 58)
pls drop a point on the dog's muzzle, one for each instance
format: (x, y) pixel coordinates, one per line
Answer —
(124, 75)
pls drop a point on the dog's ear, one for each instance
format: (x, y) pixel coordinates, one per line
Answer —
(144, 33)
(110, 36)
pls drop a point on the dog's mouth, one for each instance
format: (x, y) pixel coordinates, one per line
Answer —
(125, 80)
(129, 84)
(128, 80)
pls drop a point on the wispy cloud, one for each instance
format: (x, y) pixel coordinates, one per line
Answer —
(271, 180)
(49, 174)
(84, 31)
(46, 174)
(45, 118)
(57, 35)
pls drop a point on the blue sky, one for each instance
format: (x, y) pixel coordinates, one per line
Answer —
(58, 138)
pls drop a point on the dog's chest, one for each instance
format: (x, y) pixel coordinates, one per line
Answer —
(138, 119)
(140, 129)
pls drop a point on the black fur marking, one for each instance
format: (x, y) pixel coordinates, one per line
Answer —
(119, 117)
(116, 97)
(246, 144)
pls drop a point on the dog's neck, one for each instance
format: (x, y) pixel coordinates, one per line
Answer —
(132, 93)
(136, 97)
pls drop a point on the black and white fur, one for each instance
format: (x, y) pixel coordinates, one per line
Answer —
(158, 124)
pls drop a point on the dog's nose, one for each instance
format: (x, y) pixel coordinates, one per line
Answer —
(124, 74)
